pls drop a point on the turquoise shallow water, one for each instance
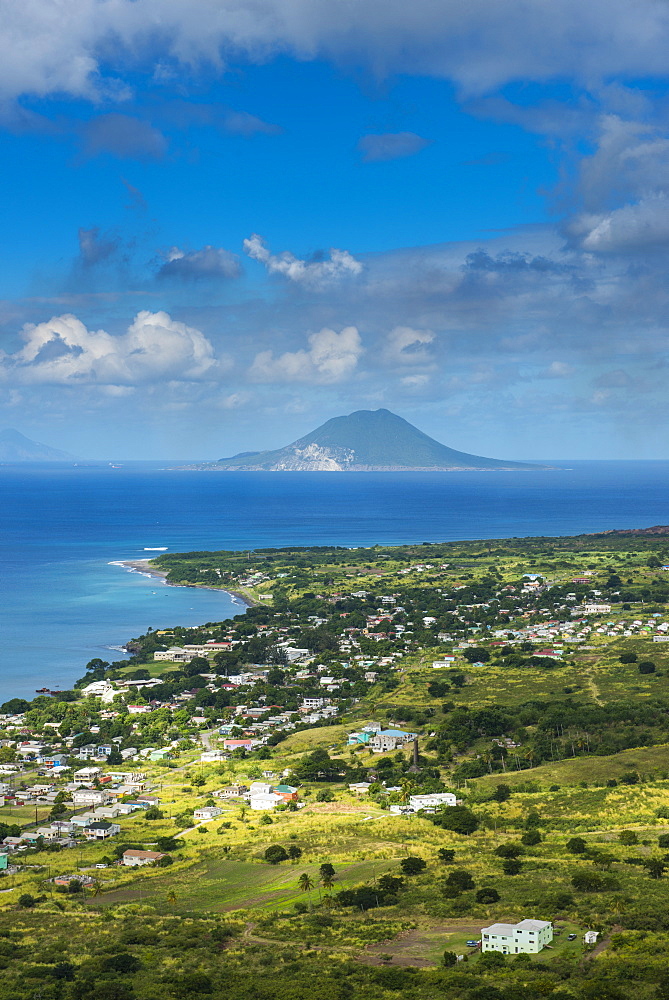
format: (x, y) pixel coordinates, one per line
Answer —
(61, 527)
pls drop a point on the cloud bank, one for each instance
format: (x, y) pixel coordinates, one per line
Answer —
(155, 348)
(80, 47)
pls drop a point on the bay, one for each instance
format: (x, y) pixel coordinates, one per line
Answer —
(62, 528)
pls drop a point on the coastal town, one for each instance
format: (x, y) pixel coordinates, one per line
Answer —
(433, 703)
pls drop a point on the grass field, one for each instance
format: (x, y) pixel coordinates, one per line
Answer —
(218, 885)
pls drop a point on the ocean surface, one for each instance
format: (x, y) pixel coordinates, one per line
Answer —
(63, 601)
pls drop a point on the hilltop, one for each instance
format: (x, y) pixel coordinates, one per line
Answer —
(16, 447)
(365, 441)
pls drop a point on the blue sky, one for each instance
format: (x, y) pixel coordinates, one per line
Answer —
(224, 223)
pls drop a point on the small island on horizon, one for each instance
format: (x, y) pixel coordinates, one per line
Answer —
(365, 441)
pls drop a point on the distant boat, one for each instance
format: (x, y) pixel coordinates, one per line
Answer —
(157, 548)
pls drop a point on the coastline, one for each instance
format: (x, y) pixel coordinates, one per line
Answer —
(144, 566)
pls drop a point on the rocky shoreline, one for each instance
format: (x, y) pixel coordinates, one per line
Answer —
(144, 566)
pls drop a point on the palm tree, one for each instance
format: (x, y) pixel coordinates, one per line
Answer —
(407, 790)
(305, 882)
(171, 897)
(327, 881)
(95, 888)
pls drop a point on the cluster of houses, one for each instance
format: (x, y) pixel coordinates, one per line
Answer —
(380, 740)
(260, 795)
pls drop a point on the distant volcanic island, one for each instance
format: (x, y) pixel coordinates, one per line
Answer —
(15, 447)
(365, 441)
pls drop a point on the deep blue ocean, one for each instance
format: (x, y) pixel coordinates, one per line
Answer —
(62, 602)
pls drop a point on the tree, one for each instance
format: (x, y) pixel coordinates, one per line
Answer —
(326, 869)
(328, 882)
(153, 812)
(305, 882)
(512, 866)
(628, 658)
(476, 654)
(588, 881)
(487, 896)
(655, 868)
(501, 793)
(294, 852)
(461, 880)
(27, 901)
(275, 854)
(576, 845)
(628, 837)
(115, 757)
(325, 795)
(123, 962)
(448, 959)
(510, 850)
(15, 706)
(171, 897)
(646, 667)
(446, 855)
(531, 838)
(663, 840)
(459, 819)
(413, 865)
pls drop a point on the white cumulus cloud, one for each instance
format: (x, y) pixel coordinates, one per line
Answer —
(331, 357)
(406, 346)
(154, 348)
(317, 273)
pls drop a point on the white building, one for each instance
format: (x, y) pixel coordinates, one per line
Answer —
(525, 938)
(265, 800)
(432, 800)
(590, 937)
(90, 797)
(207, 812)
(134, 859)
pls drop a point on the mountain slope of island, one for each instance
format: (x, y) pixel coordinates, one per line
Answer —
(365, 441)
(15, 447)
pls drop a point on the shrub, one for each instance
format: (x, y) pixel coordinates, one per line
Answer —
(153, 812)
(413, 865)
(124, 962)
(448, 959)
(509, 850)
(628, 837)
(512, 866)
(663, 840)
(460, 880)
(487, 896)
(27, 901)
(275, 854)
(628, 658)
(447, 856)
(294, 852)
(531, 838)
(646, 667)
(501, 793)
(459, 819)
(325, 795)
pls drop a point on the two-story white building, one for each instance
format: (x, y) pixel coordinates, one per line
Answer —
(432, 800)
(525, 938)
